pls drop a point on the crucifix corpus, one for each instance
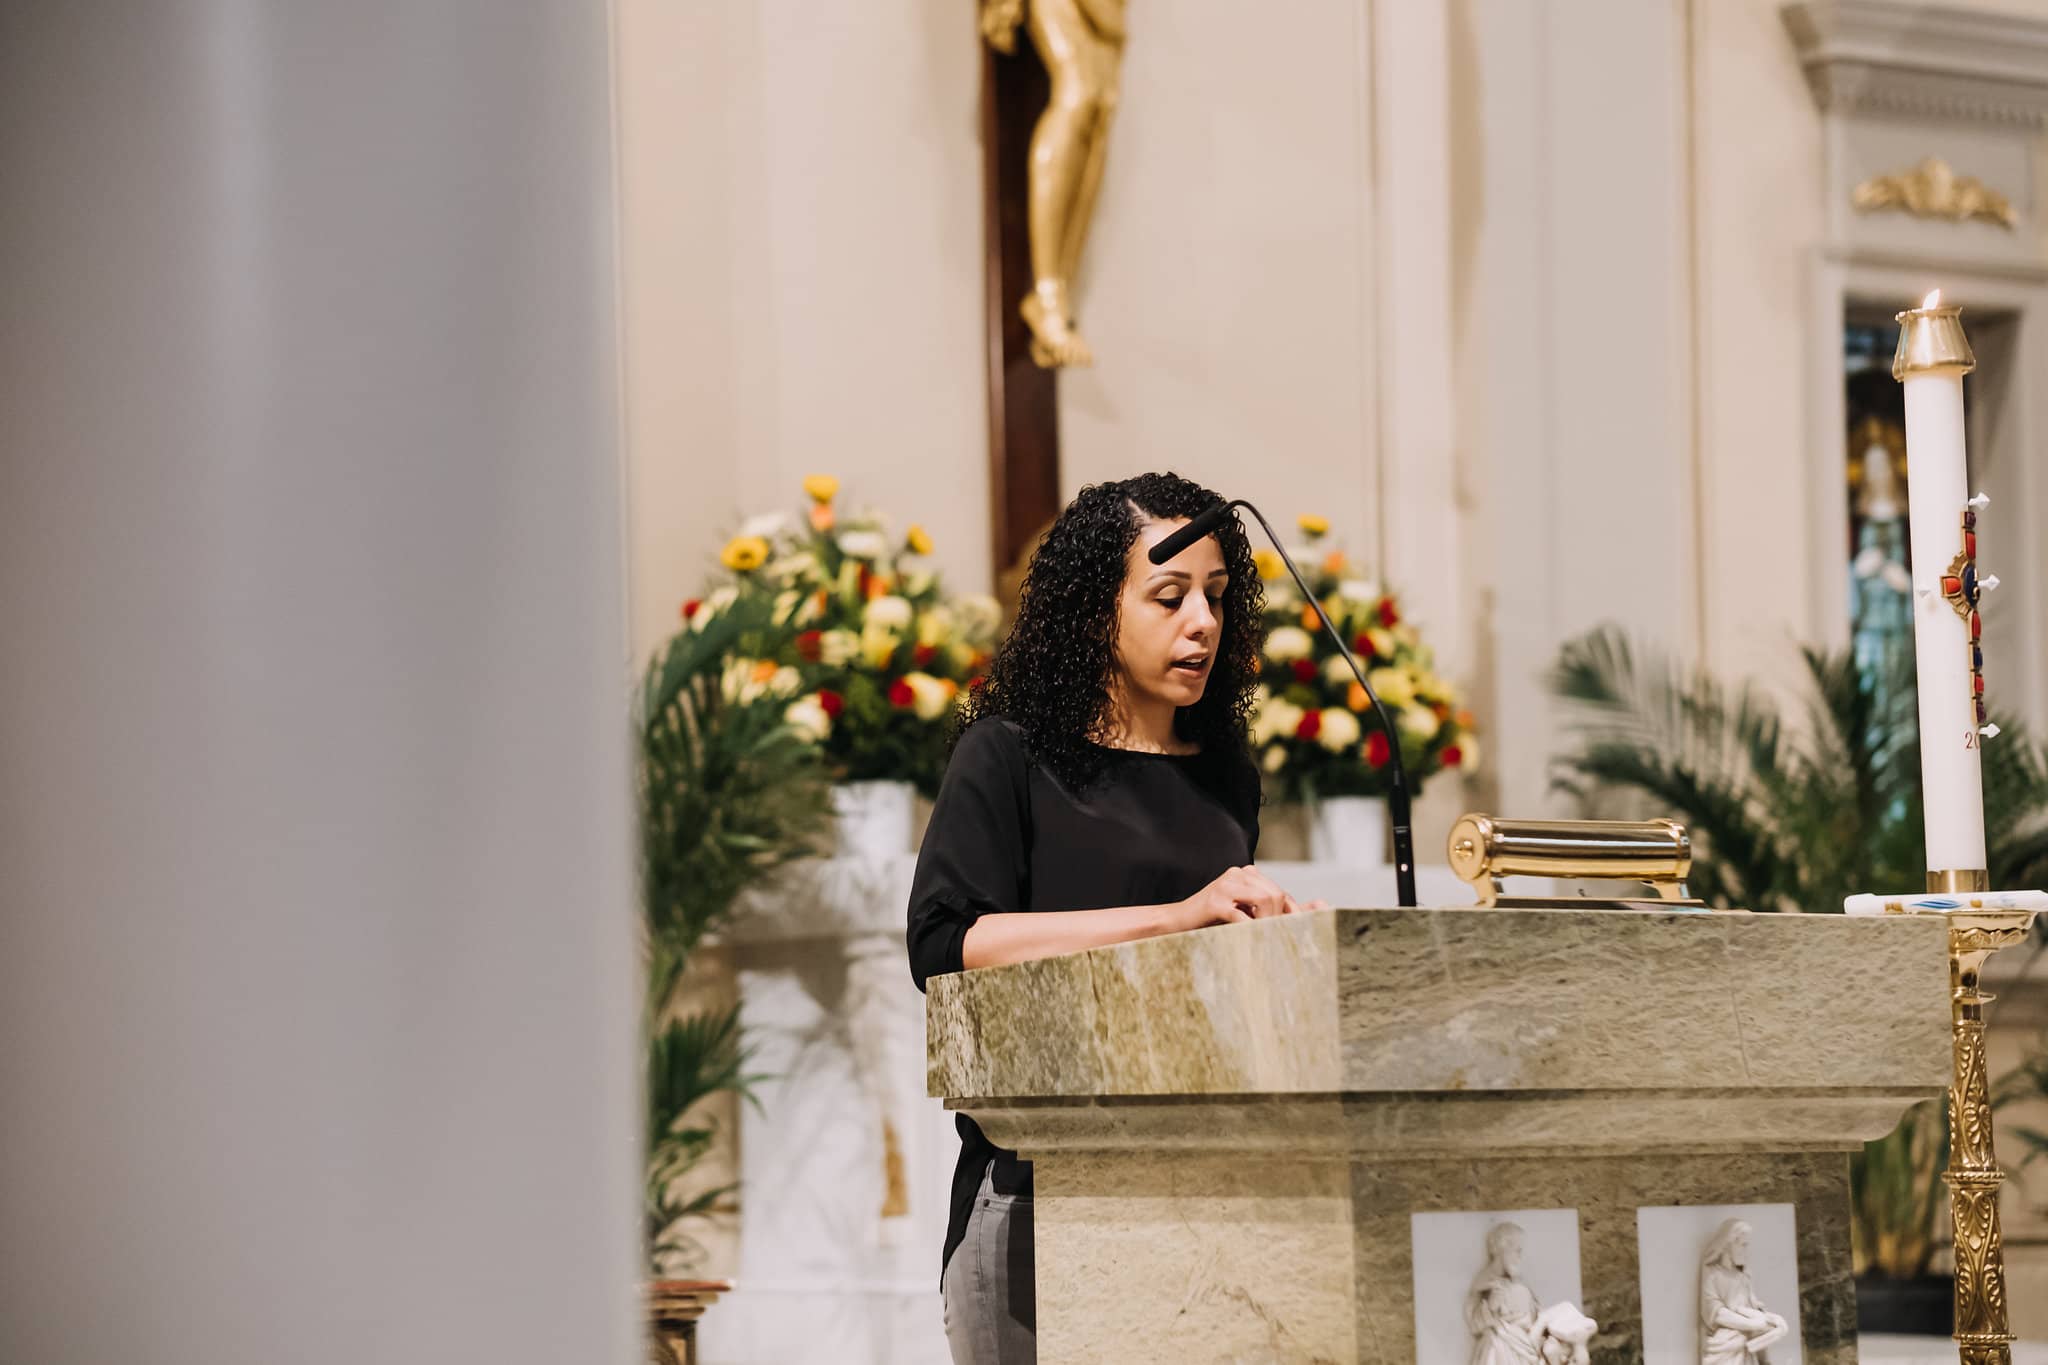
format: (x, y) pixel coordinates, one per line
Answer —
(1046, 114)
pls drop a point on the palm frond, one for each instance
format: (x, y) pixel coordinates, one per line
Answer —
(1784, 819)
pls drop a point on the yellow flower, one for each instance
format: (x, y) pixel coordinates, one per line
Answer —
(1269, 564)
(743, 554)
(1313, 524)
(918, 541)
(821, 487)
(1395, 686)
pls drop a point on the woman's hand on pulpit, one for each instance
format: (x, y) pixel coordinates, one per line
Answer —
(1241, 893)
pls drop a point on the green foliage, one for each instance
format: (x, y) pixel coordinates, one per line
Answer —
(728, 793)
(728, 790)
(1787, 817)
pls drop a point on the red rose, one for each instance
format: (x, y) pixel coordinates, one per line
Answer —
(810, 645)
(1387, 613)
(1362, 645)
(866, 577)
(1305, 670)
(900, 694)
(1377, 750)
(1311, 725)
(831, 702)
(924, 654)
(1452, 756)
(691, 608)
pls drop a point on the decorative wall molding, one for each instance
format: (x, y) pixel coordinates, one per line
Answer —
(1922, 61)
(1932, 189)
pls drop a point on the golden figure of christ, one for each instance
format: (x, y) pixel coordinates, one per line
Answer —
(1082, 45)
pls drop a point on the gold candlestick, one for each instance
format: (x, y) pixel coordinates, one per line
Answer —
(1983, 1333)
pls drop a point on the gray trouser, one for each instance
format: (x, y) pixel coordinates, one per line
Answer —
(988, 1287)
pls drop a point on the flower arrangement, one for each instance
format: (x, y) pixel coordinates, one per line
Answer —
(1313, 727)
(876, 656)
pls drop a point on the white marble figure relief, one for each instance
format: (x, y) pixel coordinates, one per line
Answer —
(1734, 1328)
(1501, 1312)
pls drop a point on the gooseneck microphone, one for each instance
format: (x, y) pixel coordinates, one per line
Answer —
(1397, 789)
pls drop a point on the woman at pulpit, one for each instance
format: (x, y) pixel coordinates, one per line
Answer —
(1101, 790)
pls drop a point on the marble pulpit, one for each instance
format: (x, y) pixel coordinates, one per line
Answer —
(845, 1163)
(1239, 1134)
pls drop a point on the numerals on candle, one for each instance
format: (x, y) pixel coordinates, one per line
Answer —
(1969, 739)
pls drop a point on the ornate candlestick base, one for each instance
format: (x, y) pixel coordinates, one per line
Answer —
(1982, 1333)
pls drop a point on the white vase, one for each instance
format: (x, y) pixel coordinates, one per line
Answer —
(874, 818)
(1348, 829)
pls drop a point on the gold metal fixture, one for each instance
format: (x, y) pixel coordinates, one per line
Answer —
(1931, 338)
(1983, 1333)
(1959, 881)
(1932, 189)
(1484, 849)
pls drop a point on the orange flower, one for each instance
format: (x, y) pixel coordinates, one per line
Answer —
(821, 516)
(1335, 563)
(1357, 698)
(1309, 619)
(764, 670)
(880, 585)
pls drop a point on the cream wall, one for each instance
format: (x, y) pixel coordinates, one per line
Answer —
(800, 272)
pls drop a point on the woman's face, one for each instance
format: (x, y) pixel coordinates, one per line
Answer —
(1169, 619)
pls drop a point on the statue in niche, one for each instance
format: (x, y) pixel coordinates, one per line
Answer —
(1501, 1312)
(1880, 587)
(1735, 1329)
(1082, 45)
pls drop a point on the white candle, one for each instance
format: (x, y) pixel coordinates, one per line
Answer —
(1932, 358)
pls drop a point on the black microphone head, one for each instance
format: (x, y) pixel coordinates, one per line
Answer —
(1204, 523)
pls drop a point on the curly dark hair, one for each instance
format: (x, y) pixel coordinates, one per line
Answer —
(1051, 676)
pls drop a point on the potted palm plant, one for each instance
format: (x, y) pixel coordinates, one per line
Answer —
(732, 785)
(1795, 816)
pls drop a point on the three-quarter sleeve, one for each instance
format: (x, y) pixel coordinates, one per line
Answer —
(974, 860)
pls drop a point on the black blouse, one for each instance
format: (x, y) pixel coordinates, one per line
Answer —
(1007, 835)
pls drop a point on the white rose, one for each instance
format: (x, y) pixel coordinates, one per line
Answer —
(785, 682)
(929, 696)
(1420, 722)
(767, 526)
(1275, 759)
(1359, 590)
(1468, 754)
(809, 719)
(979, 616)
(863, 544)
(838, 647)
(1277, 719)
(790, 568)
(1335, 670)
(1339, 730)
(889, 613)
(1287, 644)
(785, 604)
(714, 604)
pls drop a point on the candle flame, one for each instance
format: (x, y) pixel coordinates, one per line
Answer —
(1933, 300)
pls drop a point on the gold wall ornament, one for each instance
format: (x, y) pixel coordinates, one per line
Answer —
(1932, 189)
(1081, 43)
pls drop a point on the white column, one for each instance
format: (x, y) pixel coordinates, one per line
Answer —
(316, 956)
